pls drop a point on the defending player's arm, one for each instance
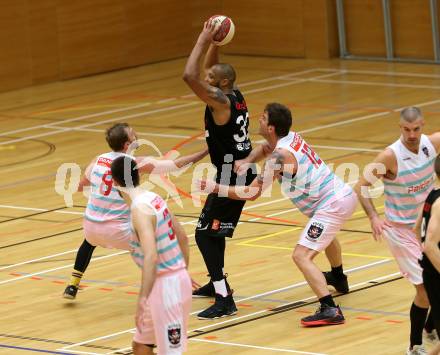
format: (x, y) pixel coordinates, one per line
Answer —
(213, 96)
(85, 180)
(435, 140)
(377, 170)
(144, 223)
(432, 239)
(272, 168)
(182, 238)
(259, 153)
(152, 165)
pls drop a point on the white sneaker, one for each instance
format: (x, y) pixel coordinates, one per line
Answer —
(417, 350)
(430, 338)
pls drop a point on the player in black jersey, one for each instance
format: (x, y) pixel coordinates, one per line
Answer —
(429, 226)
(226, 128)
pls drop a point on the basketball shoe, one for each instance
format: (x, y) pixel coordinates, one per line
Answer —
(325, 315)
(340, 283)
(223, 307)
(70, 292)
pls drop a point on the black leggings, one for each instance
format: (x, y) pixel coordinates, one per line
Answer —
(432, 286)
(213, 252)
(83, 256)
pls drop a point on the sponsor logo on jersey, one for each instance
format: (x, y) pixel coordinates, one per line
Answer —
(425, 151)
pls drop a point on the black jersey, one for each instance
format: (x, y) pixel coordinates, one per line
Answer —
(229, 142)
(432, 197)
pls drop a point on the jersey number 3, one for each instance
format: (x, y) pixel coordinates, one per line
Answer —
(243, 122)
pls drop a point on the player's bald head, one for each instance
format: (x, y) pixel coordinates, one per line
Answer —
(225, 71)
(410, 114)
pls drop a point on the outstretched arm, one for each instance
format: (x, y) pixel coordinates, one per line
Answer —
(272, 167)
(152, 165)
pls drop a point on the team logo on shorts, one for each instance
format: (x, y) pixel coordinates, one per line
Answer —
(174, 335)
(315, 230)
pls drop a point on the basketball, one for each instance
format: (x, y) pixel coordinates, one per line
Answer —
(226, 31)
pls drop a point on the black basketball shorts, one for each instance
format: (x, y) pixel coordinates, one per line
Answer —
(219, 216)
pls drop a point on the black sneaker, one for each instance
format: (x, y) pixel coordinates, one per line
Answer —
(340, 283)
(205, 291)
(223, 306)
(208, 290)
(70, 292)
(325, 315)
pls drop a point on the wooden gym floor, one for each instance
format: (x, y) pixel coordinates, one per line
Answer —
(348, 110)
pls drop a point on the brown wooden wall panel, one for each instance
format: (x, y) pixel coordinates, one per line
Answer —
(364, 27)
(320, 29)
(201, 10)
(15, 59)
(92, 37)
(272, 28)
(43, 38)
(411, 25)
(157, 30)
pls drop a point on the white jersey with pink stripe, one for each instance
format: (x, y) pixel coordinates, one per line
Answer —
(105, 203)
(170, 257)
(414, 180)
(314, 185)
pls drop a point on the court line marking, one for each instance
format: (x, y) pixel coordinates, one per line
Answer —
(145, 113)
(78, 118)
(299, 284)
(376, 83)
(60, 268)
(378, 72)
(255, 347)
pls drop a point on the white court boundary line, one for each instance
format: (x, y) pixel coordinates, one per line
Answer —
(145, 113)
(254, 347)
(78, 118)
(66, 348)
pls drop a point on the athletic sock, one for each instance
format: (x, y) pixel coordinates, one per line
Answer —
(75, 279)
(417, 316)
(338, 271)
(220, 287)
(327, 300)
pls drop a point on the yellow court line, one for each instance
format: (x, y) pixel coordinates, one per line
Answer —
(291, 249)
(270, 235)
(250, 243)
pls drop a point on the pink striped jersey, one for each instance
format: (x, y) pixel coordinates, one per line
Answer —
(314, 185)
(414, 180)
(104, 203)
(170, 257)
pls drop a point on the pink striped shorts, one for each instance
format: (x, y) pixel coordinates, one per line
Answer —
(166, 313)
(326, 222)
(406, 249)
(110, 234)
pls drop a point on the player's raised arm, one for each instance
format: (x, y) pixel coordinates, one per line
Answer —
(212, 95)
